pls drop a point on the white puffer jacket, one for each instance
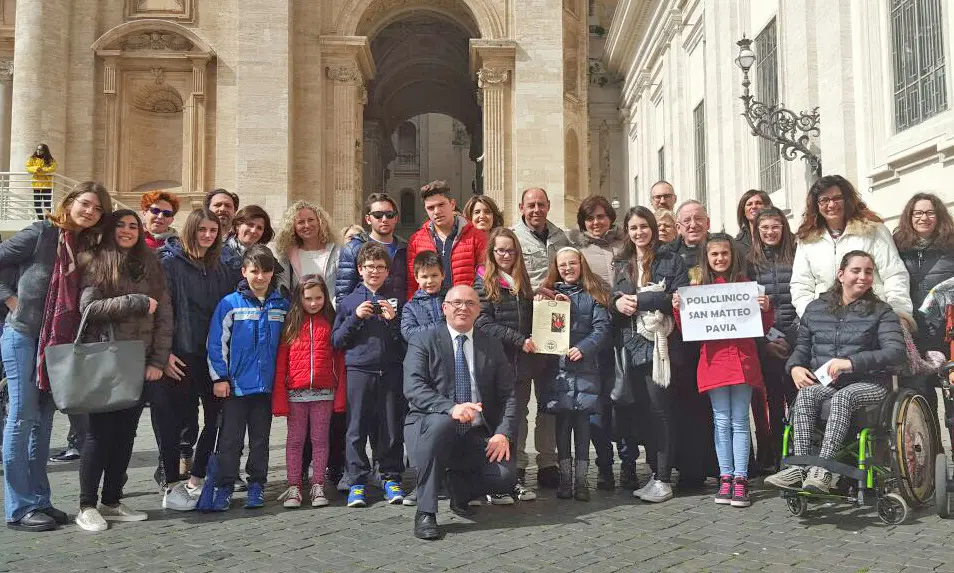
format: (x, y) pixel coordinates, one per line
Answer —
(818, 257)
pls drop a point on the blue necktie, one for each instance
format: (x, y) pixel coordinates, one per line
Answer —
(461, 379)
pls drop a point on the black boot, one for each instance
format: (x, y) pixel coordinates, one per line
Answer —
(627, 476)
(565, 489)
(605, 480)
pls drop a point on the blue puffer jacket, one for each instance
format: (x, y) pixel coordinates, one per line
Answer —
(243, 339)
(578, 385)
(395, 286)
(195, 291)
(420, 313)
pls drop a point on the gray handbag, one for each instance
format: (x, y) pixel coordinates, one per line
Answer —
(95, 377)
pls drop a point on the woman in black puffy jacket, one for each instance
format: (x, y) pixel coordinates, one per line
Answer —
(506, 313)
(857, 339)
(770, 265)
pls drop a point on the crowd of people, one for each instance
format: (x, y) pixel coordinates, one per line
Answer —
(423, 349)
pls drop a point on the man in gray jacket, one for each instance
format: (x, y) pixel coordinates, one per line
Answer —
(539, 240)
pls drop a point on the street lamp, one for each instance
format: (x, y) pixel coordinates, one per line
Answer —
(775, 123)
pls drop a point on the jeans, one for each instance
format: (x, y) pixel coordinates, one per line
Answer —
(79, 427)
(107, 448)
(730, 409)
(167, 400)
(650, 419)
(26, 437)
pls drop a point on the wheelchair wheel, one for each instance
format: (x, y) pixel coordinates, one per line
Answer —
(942, 499)
(914, 448)
(892, 509)
(797, 505)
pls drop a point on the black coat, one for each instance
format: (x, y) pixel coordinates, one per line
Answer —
(195, 291)
(667, 266)
(776, 277)
(510, 320)
(28, 259)
(927, 267)
(872, 340)
(429, 379)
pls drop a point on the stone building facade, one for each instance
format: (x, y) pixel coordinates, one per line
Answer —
(285, 100)
(878, 70)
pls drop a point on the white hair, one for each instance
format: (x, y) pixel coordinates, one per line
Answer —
(689, 202)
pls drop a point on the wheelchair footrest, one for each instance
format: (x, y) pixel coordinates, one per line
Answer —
(830, 465)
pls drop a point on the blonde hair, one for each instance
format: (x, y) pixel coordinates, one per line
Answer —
(287, 238)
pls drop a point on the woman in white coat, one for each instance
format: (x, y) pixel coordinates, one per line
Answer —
(836, 222)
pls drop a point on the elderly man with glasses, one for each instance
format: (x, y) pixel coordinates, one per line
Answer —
(462, 412)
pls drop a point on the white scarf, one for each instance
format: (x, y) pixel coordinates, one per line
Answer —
(655, 326)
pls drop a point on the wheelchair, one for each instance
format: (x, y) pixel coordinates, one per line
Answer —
(889, 464)
(944, 485)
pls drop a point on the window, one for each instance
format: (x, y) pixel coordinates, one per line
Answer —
(699, 131)
(920, 90)
(766, 84)
(662, 162)
(407, 206)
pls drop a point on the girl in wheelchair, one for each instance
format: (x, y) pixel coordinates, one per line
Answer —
(855, 337)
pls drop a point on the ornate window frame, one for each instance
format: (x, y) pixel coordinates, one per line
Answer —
(134, 10)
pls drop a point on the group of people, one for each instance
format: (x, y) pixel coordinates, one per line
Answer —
(425, 347)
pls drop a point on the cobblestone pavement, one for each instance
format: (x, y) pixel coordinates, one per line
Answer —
(613, 532)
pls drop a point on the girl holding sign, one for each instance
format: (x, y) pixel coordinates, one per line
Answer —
(574, 393)
(728, 371)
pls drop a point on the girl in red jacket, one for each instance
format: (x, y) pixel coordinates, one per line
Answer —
(728, 370)
(309, 384)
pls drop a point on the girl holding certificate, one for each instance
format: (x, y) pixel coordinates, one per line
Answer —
(573, 395)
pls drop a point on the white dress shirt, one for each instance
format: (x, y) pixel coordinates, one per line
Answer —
(469, 356)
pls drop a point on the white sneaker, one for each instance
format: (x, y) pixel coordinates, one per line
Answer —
(657, 492)
(121, 513)
(524, 493)
(193, 491)
(639, 492)
(318, 498)
(90, 520)
(789, 478)
(499, 499)
(177, 498)
(818, 480)
(292, 497)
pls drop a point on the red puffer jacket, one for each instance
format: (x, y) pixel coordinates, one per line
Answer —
(309, 362)
(730, 362)
(468, 251)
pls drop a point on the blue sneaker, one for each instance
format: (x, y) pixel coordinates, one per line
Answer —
(222, 499)
(393, 492)
(356, 496)
(255, 498)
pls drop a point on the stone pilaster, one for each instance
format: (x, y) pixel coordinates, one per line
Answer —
(373, 165)
(40, 69)
(494, 64)
(193, 148)
(6, 102)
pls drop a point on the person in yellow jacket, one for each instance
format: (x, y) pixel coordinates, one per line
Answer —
(42, 166)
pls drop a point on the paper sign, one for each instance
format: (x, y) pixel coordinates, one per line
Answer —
(720, 311)
(551, 326)
(822, 374)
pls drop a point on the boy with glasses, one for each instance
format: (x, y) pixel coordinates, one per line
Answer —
(368, 327)
(382, 217)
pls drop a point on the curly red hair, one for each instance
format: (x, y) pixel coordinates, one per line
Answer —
(153, 196)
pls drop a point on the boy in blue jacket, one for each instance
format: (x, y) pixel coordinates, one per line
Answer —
(368, 328)
(424, 308)
(243, 346)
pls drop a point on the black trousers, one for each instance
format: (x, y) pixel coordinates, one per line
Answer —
(167, 398)
(199, 387)
(573, 428)
(648, 419)
(79, 426)
(435, 448)
(376, 409)
(694, 443)
(106, 452)
(779, 391)
(42, 202)
(239, 413)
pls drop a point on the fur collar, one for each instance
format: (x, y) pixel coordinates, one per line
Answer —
(858, 227)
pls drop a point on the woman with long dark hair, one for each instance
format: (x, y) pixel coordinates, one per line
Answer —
(42, 166)
(752, 201)
(859, 337)
(124, 295)
(197, 281)
(484, 213)
(769, 263)
(646, 275)
(837, 221)
(44, 310)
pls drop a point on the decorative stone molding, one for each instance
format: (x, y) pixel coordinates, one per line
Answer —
(6, 70)
(158, 97)
(157, 41)
(487, 77)
(347, 74)
(179, 10)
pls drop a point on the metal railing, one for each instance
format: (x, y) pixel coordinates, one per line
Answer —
(17, 202)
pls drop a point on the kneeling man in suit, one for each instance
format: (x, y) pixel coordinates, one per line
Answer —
(459, 387)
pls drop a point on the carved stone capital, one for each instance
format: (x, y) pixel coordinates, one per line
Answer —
(347, 74)
(6, 70)
(489, 77)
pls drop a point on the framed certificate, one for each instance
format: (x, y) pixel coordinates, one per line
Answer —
(551, 326)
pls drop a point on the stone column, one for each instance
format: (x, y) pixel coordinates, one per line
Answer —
(39, 74)
(111, 91)
(373, 166)
(6, 103)
(494, 83)
(193, 127)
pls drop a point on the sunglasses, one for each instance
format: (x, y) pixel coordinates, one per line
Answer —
(384, 214)
(163, 212)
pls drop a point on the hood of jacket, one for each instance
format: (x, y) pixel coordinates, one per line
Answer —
(462, 224)
(610, 240)
(859, 227)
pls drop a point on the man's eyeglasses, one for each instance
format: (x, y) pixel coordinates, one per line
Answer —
(163, 212)
(823, 201)
(384, 214)
(459, 304)
(694, 220)
(924, 214)
(663, 197)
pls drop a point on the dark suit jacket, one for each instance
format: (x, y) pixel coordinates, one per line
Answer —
(429, 379)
